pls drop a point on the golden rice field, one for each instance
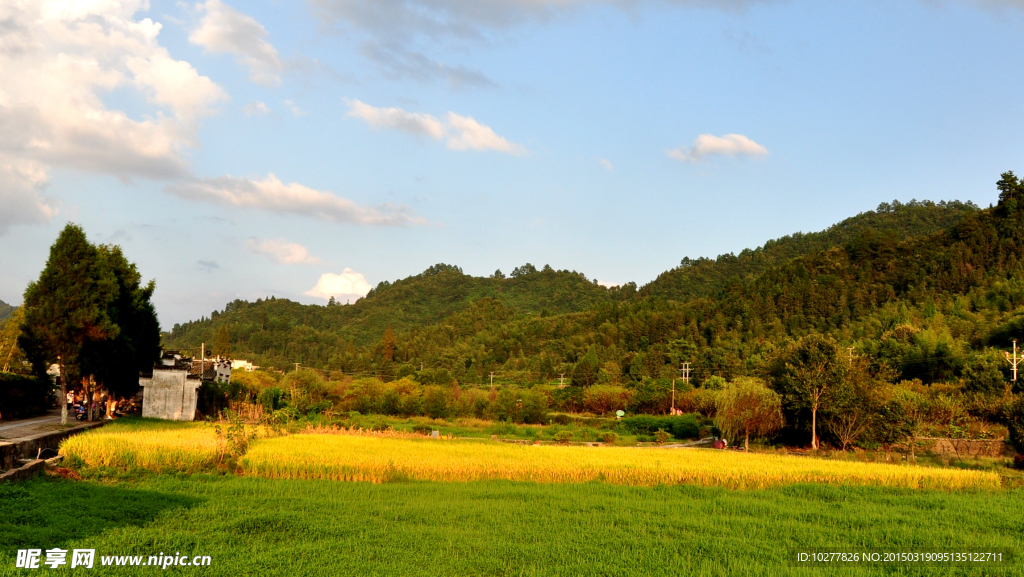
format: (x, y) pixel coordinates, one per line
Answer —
(156, 446)
(377, 459)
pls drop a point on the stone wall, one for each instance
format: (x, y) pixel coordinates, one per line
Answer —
(964, 447)
(169, 395)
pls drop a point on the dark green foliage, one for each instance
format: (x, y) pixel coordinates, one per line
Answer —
(117, 362)
(887, 225)
(23, 396)
(584, 373)
(1015, 423)
(435, 402)
(213, 397)
(681, 427)
(69, 306)
(271, 399)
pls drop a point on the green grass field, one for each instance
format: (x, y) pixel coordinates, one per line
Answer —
(288, 527)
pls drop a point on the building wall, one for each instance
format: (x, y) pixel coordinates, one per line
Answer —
(169, 395)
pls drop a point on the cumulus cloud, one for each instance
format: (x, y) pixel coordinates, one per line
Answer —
(58, 60)
(224, 30)
(273, 195)
(21, 186)
(349, 285)
(711, 145)
(458, 132)
(282, 251)
(257, 108)
(397, 119)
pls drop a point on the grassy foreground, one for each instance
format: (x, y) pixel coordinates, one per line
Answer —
(256, 526)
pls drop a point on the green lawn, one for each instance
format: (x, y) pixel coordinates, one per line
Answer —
(272, 527)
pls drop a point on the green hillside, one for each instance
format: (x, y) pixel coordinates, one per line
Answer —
(6, 311)
(279, 332)
(536, 325)
(704, 277)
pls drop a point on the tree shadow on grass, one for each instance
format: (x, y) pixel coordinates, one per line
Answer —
(48, 512)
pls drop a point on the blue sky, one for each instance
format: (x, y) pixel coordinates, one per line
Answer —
(238, 150)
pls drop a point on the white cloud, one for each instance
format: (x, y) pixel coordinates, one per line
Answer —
(21, 183)
(295, 109)
(606, 164)
(257, 108)
(608, 284)
(58, 61)
(466, 133)
(460, 132)
(349, 285)
(225, 30)
(282, 251)
(711, 145)
(397, 119)
(273, 195)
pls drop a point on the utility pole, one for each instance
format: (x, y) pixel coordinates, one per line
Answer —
(492, 378)
(296, 366)
(561, 380)
(684, 370)
(1013, 362)
(850, 350)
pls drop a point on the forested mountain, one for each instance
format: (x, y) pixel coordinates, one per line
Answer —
(279, 331)
(705, 277)
(896, 284)
(6, 310)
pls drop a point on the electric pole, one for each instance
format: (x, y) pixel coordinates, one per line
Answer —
(561, 380)
(684, 370)
(492, 378)
(1013, 361)
(850, 350)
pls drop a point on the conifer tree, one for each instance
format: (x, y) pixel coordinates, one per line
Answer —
(68, 307)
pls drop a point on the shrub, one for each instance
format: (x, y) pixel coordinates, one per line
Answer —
(603, 399)
(22, 396)
(563, 437)
(681, 427)
(270, 398)
(609, 438)
(662, 436)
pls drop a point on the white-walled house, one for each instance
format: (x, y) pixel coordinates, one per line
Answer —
(170, 391)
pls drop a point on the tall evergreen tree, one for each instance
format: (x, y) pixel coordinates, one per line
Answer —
(115, 363)
(68, 307)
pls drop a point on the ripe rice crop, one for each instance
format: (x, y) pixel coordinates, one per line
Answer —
(159, 446)
(363, 458)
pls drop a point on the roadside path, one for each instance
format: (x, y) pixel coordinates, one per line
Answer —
(26, 427)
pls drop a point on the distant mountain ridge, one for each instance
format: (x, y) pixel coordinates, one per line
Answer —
(278, 332)
(6, 311)
(705, 277)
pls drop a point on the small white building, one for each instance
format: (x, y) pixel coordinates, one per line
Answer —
(170, 391)
(217, 370)
(243, 364)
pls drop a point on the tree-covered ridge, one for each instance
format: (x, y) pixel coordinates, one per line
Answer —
(278, 331)
(705, 277)
(527, 328)
(6, 311)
